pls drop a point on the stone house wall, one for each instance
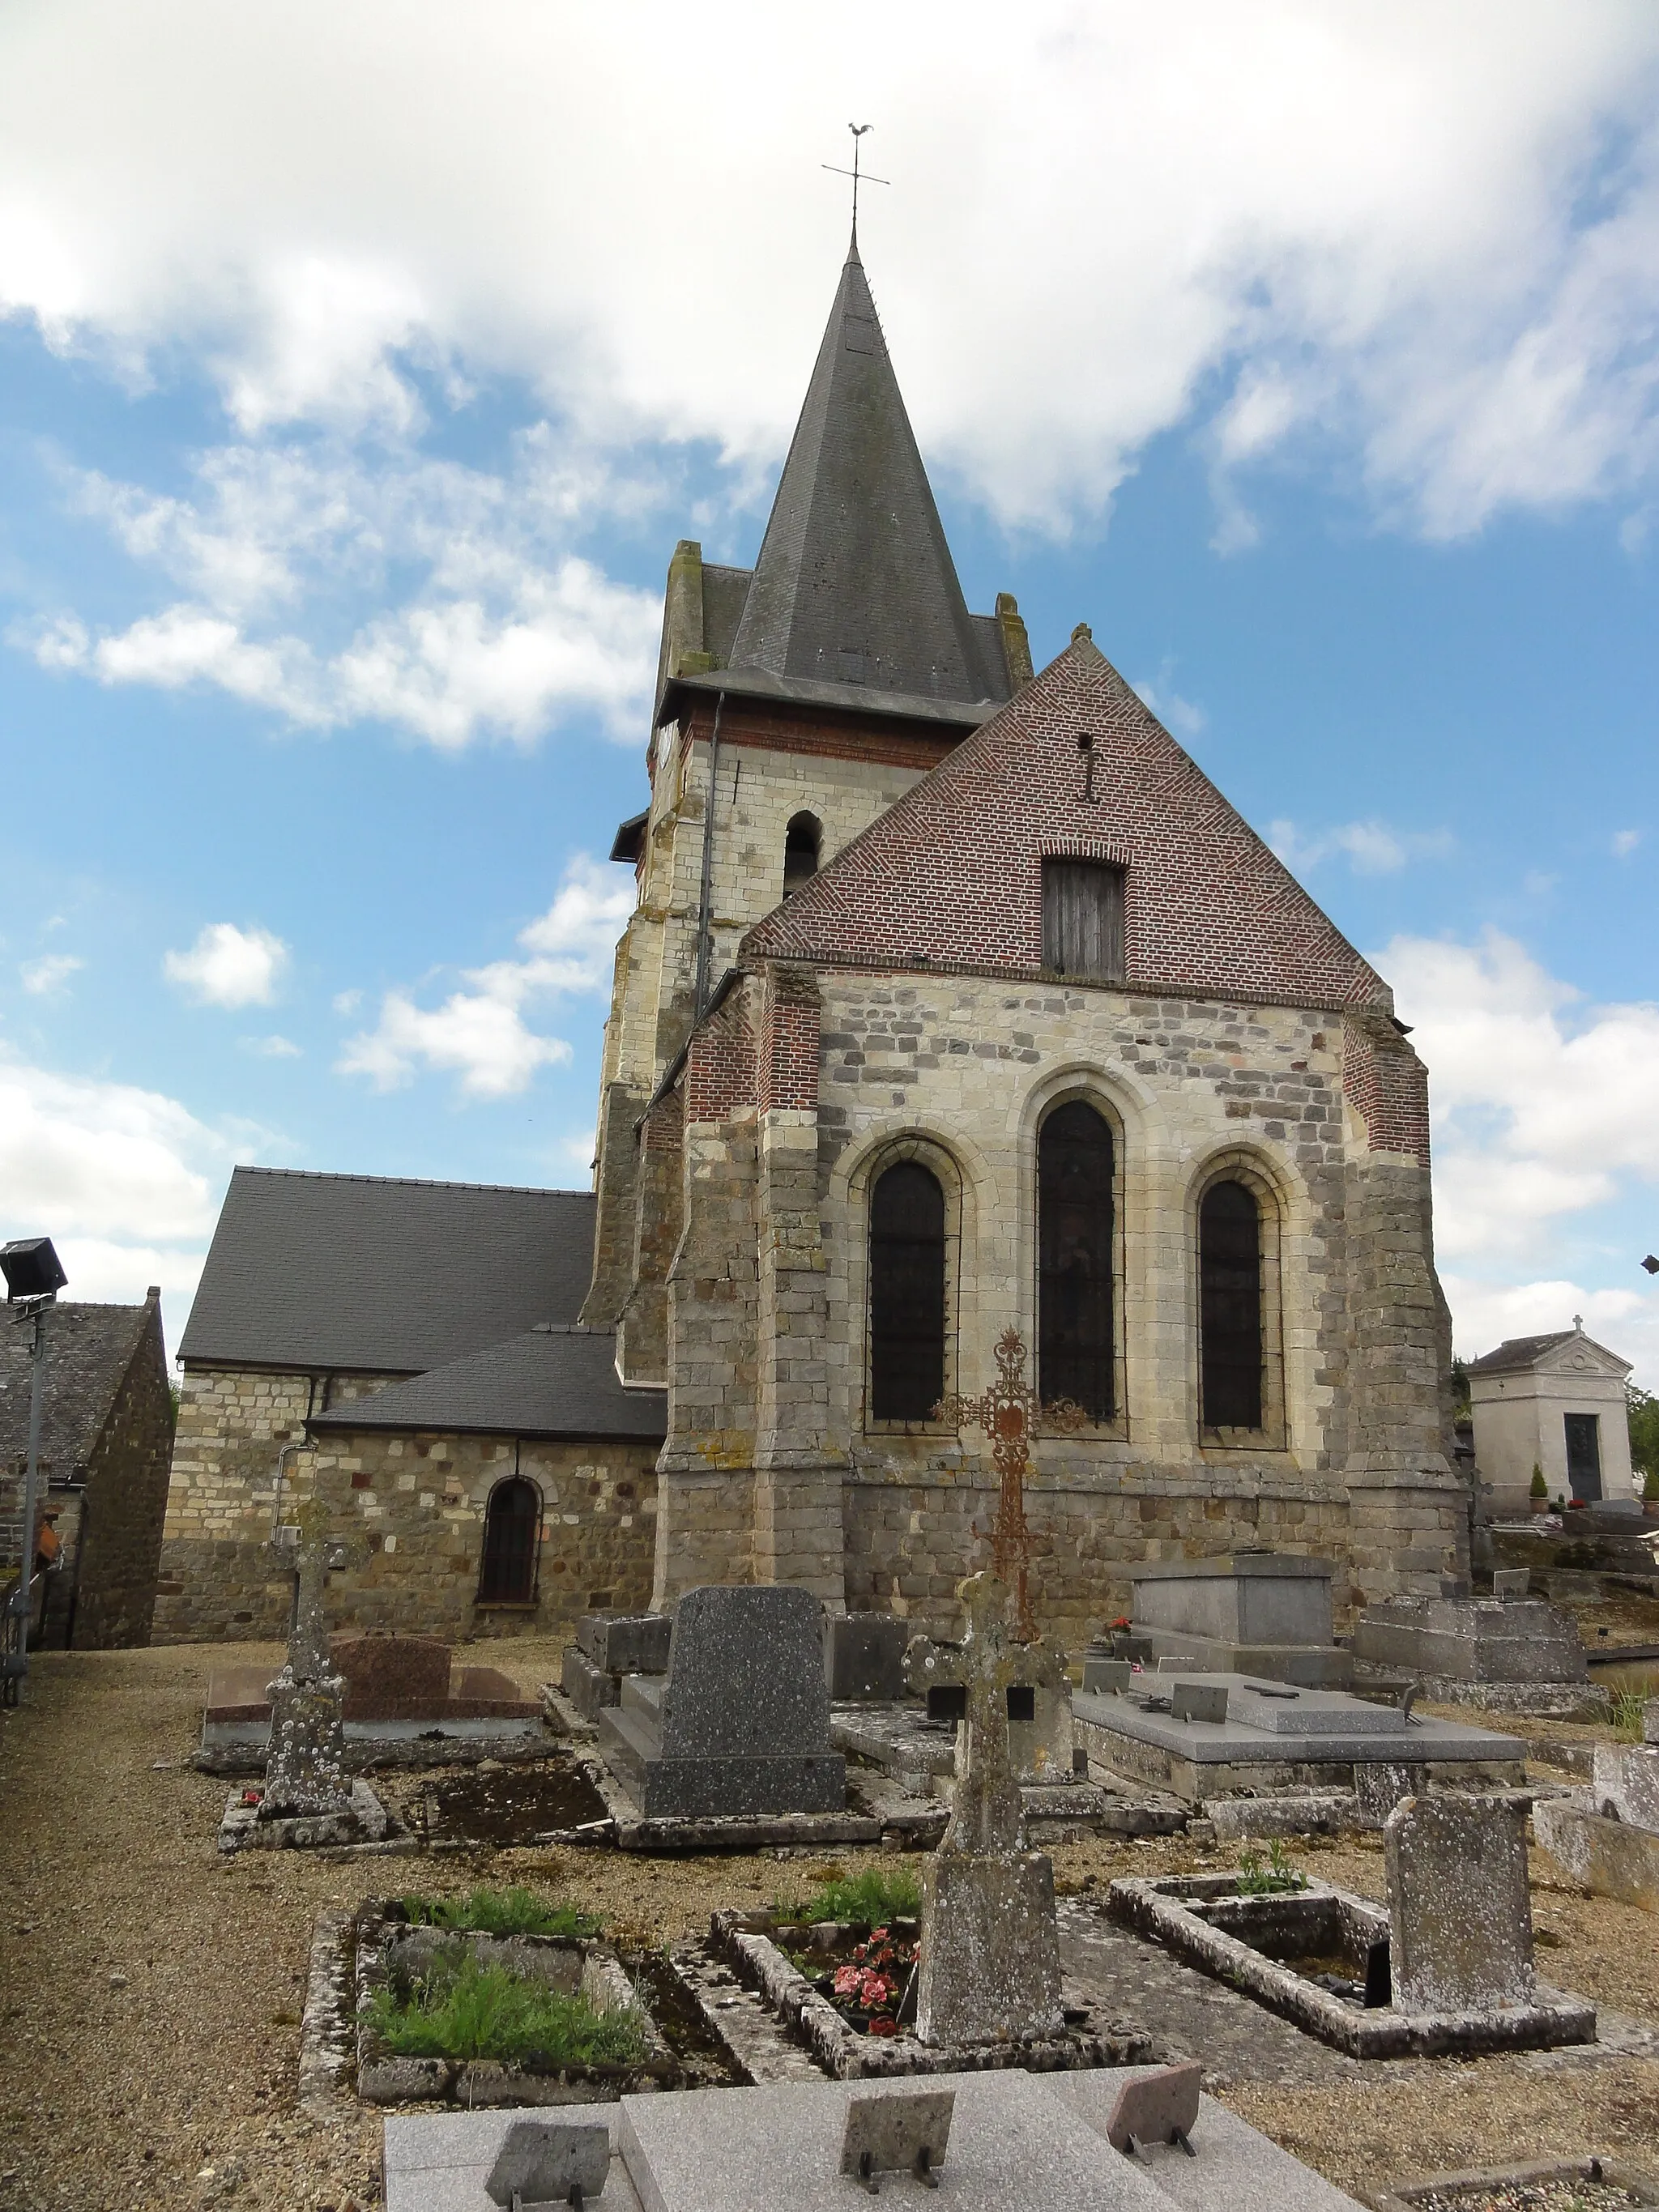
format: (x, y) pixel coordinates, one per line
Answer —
(123, 1503)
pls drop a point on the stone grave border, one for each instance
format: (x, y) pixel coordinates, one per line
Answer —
(368, 1829)
(1612, 1858)
(383, 2078)
(1405, 2195)
(1161, 1908)
(744, 1940)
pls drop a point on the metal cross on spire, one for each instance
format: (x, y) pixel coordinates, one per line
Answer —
(1007, 1412)
(858, 176)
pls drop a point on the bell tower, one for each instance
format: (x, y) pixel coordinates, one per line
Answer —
(795, 702)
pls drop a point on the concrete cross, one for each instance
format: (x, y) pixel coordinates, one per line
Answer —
(1008, 1412)
(988, 1816)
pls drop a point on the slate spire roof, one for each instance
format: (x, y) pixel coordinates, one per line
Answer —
(855, 584)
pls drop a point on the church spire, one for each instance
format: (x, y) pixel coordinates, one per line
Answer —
(855, 584)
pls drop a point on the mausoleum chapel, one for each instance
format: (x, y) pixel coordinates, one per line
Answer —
(955, 997)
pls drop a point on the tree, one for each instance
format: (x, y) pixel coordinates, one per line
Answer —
(1642, 1410)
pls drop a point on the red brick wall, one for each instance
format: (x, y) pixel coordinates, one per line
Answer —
(719, 1067)
(789, 1062)
(1388, 1084)
(951, 876)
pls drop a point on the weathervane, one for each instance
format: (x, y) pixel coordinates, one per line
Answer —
(1008, 1412)
(857, 130)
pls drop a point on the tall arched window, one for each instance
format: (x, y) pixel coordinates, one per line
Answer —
(1074, 1259)
(1229, 1307)
(512, 1520)
(907, 1293)
(802, 840)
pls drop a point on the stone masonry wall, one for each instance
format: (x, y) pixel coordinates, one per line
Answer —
(217, 1576)
(123, 1504)
(416, 1506)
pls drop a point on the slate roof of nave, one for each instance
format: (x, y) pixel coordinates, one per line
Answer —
(951, 876)
(548, 1382)
(381, 1274)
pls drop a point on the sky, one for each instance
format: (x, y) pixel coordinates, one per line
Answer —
(360, 368)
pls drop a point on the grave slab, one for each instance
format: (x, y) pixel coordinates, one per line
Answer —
(1248, 1612)
(1611, 1858)
(756, 2150)
(1272, 1740)
(440, 2163)
(1624, 1784)
(1508, 1654)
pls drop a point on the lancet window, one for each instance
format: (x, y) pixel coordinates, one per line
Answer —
(1076, 1255)
(512, 1524)
(907, 1293)
(1230, 1320)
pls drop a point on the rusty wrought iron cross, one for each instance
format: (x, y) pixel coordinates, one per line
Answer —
(1008, 1412)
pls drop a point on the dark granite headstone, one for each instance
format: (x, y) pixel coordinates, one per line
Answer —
(864, 1656)
(741, 1724)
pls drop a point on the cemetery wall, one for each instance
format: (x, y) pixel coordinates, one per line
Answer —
(416, 1506)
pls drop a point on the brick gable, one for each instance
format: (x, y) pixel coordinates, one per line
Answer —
(951, 876)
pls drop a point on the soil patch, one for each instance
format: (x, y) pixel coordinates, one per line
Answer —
(506, 1807)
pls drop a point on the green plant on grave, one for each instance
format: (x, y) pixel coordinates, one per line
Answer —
(1627, 1702)
(1272, 1879)
(462, 2010)
(1540, 1487)
(875, 1896)
(499, 1913)
(1650, 1486)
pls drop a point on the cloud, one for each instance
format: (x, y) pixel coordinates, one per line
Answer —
(1370, 849)
(495, 627)
(127, 1182)
(480, 1032)
(1177, 715)
(347, 1002)
(271, 1048)
(1424, 233)
(1624, 843)
(229, 967)
(44, 977)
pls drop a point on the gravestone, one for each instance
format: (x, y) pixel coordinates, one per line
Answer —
(740, 1723)
(1624, 1784)
(391, 1677)
(1106, 1677)
(1199, 1701)
(864, 1656)
(304, 1768)
(608, 1647)
(1508, 1654)
(989, 1966)
(893, 2132)
(1248, 1612)
(1459, 1916)
(1511, 1582)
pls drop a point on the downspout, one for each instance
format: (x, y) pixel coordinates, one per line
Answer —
(704, 916)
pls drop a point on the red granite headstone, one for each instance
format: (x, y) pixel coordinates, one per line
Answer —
(393, 1678)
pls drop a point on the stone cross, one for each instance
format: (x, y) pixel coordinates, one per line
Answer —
(989, 1969)
(305, 1766)
(1007, 1412)
(988, 1815)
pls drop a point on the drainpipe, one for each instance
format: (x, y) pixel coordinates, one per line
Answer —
(704, 913)
(277, 1501)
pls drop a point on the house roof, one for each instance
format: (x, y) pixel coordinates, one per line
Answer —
(380, 1275)
(855, 585)
(548, 1382)
(89, 1349)
(951, 876)
(1518, 1355)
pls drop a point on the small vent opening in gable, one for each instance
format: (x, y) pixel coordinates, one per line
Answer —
(1083, 921)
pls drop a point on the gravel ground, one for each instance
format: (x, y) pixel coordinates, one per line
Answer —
(150, 1994)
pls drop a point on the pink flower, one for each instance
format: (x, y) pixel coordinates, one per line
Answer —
(847, 1981)
(874, 1992)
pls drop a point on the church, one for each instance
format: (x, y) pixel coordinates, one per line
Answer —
(954, 998)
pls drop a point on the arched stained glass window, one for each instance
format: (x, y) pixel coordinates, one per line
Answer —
(907, 1293)
(512, 1521)
(1075, 1247)
(1229, 1294)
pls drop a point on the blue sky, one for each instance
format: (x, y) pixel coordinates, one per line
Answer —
(349, 415)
